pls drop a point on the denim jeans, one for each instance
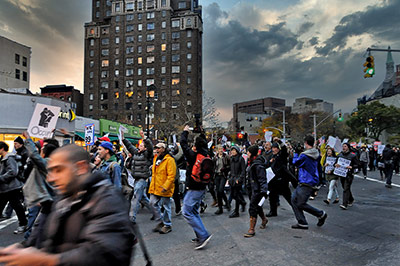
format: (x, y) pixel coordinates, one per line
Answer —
(299, 204)
(156, 202)
(139, 195)
(32, 215)
(333, 191)
(191, 205)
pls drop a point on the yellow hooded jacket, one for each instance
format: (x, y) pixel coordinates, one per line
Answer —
(163, 177)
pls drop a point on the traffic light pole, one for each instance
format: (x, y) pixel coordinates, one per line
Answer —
(382, 50)
(316, 125)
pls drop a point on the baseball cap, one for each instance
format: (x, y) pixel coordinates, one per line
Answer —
(104, 139)
(107, 145)
(161, 145)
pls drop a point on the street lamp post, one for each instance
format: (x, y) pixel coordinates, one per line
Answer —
(152, 87)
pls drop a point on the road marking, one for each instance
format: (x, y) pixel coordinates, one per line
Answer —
(7, 222)
(375, 180)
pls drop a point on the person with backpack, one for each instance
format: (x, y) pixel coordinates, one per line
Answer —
(258, 189)
(198, 173)
(142, 159)
(162, 187)
(110, 166)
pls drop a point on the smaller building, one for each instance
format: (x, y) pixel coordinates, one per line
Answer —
(66, 94)
(306, 105)
(251, 122)
(14, 64)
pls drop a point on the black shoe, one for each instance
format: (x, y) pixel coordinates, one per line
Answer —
(271, 214)
(243, 207)
(388, 186)
(219, 211)
(195, 240)
(234, 214)
(322, 219)
(326, 201)
(203, 243)
(300, 226)
(152, 218)
(203, 208)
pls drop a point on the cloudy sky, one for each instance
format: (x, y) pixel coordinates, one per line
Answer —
(252, 49)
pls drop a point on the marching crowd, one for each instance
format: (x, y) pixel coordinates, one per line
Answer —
(82, 207)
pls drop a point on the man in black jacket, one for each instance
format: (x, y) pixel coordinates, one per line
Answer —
(195, 190)
(388, 155)
(258, 191)
(89, 224)
(236, 178)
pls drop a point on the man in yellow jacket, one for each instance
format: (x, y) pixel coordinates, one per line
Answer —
(162, 187)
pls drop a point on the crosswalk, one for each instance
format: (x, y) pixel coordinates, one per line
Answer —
(7, 222)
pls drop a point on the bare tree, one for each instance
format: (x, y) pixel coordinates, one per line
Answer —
(210, 113)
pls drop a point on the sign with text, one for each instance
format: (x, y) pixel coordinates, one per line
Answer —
(89, 134)
(268, 135)
(342, 169)
(330, 164)
(43, 121)
(380, 149)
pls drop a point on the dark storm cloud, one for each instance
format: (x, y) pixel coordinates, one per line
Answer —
(313, 41)
(380, 21)
(305, 27)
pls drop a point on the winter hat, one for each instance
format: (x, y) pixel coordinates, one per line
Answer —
(235, 147)
(253, 150)
(275, 145)
(200, 143)
(107, 145)
(19, 140)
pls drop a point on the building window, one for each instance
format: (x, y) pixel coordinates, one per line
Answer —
(24, 76)
(175, 92)
(129, 28)
(117, 7)
(175, 24)
(91, 97)
(140, 83)
(129, 17)
(140, 60)
(91, 74)
(189, 68)
(116, 29)
(129, 39)
(139, 106)
(117, 18)
(150, 26)
(150, 48)
(150, 15)
(129, 61)
(163, 3)
(105, 41)
(104, 63)
(189, 56)
(128, 106)
(104, 96)
(139, 16)
(163, 12)
(139, 49)
(129, 72)
(140, 38)
(189, 103)
(175, 81)
(182, 5)
(175, 57)
(129, 94)
(189, 80)
(116, 83)
(163, 70)
(117, 62)
(104, 107)
(97, 3)
(175, 105)
(116, 50)
(163, 59)
(175, 47)
(104, 85)
(149, 82)
(189, 92)
(116, 72)
(176, 35)
(150, 59)
(91, 63)
(139, 71)
(24, 61)
(189, 45)
(163, 47)
(117, 40)
(129, 6)
(91, 85)
(163, 24)
(91, 53)
(163, 36)
(150, 37)
(104, 52)
(129, 83)
(163, 93)
(97, 14)
(163, 82)
(175, 69)
(150, 71)
(189, 33)
(90, 107)
(91, 42)
(140, 27)
(104, 74)
(129, 49)
(139, 117)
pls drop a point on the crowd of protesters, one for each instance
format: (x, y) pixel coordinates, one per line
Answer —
(75, 198)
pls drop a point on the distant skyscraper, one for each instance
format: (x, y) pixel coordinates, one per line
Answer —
(132, 44)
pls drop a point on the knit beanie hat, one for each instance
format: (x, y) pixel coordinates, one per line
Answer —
(253, 150)
(19, 140)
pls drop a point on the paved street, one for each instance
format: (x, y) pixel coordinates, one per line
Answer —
(365, 234)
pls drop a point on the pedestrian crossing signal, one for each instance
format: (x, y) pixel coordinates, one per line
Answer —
(369, 65)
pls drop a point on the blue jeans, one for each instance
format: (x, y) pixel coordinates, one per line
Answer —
(139, 196)
(191, 205)
(333, 191)
(299, 204)
(32, 215)
(156, 202)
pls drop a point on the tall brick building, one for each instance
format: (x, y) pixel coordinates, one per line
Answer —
(132, 44)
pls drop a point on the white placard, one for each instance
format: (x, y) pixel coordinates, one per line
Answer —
(345, 140)
(174, 139)
(330, 161)
(43, 121)
(182, 175)
(331, 142)
(261, 201)
(120, 130)
(270, 174)
(342, 170)
(89, 134)
(338, 146)
(268, 135)
(380, 149)
(224, 140)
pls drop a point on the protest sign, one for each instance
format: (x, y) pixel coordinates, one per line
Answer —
(43, 121)
(342, 170)
(89, 134)
(338, 145)
(121, 130)
(268, 135)
(330, 161)
(270, 174)
(331, 142)
(380, 149)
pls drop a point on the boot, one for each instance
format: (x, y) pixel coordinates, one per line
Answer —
(251, 232)
(264, 221)
(214, 204)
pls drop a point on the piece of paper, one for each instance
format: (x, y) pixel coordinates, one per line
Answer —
(331, 142)
(174, 139)
(380, 149)
(270, 174)
(345, 140)
(338, 145)
(342, 170)
(268, 135)
(131, 180)
(331, 162)
(182, 175)
(261, 201)
(43, 121)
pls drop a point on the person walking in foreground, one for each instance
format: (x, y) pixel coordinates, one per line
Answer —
(195, 190)
(259, 187)
(307, 163)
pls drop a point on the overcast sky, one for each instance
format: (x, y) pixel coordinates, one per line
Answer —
(252, 49)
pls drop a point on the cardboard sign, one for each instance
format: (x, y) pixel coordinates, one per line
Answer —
(331, 164)
(89, 134)
(331, 142)
(43, 121)
(268, 135)
(342, 170)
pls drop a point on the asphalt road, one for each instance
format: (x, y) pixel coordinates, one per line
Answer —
(365, 234)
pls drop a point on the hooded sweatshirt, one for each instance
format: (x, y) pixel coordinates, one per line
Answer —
(308, 164)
